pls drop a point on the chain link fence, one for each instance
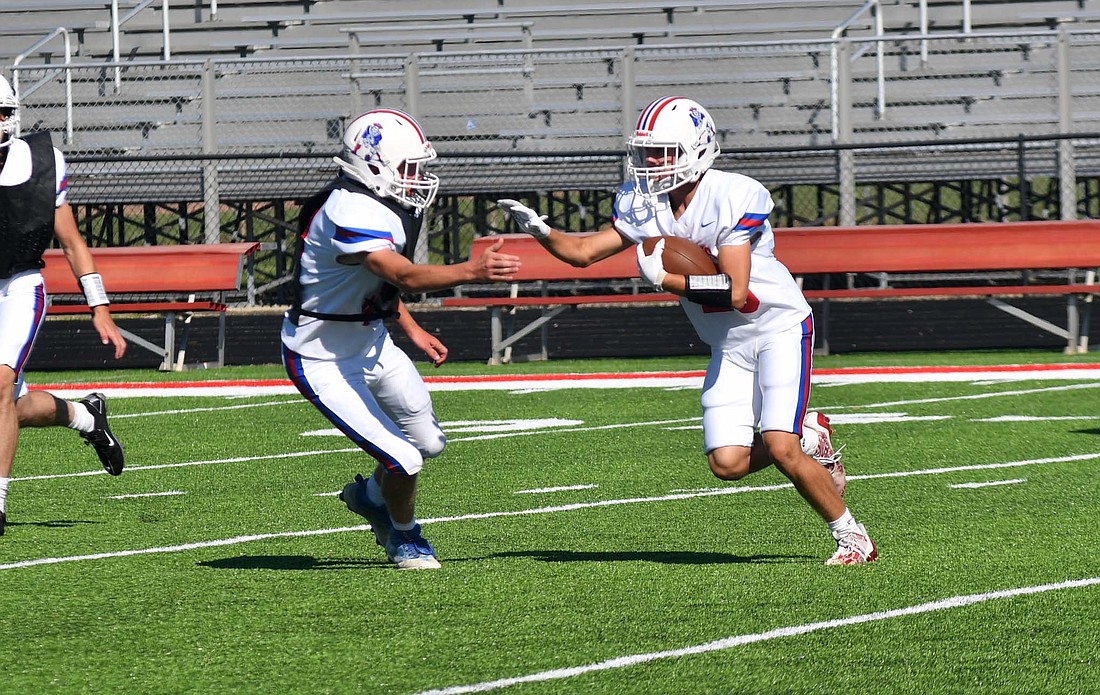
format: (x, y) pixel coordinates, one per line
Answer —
(900, 130)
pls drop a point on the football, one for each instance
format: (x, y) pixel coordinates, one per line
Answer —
(681, 256)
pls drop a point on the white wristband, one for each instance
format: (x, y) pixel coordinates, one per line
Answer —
(94, 293)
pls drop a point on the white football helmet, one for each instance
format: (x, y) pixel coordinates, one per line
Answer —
(386, 151)
(679, 135)
(9, 127)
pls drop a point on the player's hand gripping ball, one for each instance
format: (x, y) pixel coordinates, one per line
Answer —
(681, 256)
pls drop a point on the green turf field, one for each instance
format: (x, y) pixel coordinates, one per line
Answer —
(585, 546)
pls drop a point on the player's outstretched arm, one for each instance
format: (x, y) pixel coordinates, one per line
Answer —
(576, 250)
(490, 266)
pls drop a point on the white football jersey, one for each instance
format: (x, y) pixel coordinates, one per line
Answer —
(728, 209)
(333, 280)
(17, 169)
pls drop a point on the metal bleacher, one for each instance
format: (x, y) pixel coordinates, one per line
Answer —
(527, 76)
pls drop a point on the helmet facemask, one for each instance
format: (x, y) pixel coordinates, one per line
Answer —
(9, 107)
(386, 151)
(674, 144)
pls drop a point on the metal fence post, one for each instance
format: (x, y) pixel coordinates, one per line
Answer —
(843, 118)
(1067, 166)
(626, 90)
(412, 86)
(211, 201)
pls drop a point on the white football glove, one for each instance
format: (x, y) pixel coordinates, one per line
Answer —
(528, 220)
(650, 267)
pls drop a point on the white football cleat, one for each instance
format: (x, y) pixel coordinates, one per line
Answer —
(853, 547)
(819, 446)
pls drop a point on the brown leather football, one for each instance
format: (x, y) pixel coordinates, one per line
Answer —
(681, 256)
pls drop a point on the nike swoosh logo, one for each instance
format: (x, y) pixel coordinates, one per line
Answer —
(704, 226)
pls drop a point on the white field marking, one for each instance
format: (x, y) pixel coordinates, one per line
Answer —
(207, 410)
(529, 512)
(238, 459)
(548, 382)
(146, 494)
(991, 483)
(563, 488)
(978, 396)
(460, 426)
(268, 457)
(685, 427)
(741, 640)
(1034, 418)
(574, 429)
(879, 418)
(839, 378)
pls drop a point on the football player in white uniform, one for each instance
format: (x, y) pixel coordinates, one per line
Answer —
(33, 212)
(357, 239)
(752, 313)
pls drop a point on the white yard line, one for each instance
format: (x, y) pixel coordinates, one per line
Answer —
(169, 493)
(561, 488)
(972, 397)
(992, 483)
(527, 512)
(777, 633)
(183, 411)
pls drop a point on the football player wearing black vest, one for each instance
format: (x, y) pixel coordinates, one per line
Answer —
(34, 212)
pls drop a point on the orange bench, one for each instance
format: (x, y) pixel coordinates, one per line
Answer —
(168, 280)
(948, 254)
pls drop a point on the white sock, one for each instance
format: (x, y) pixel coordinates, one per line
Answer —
(844, 523)
(3, 492)
(404, 527)
(374, 491)
(82, 418)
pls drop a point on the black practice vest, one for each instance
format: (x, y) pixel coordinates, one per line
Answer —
(382, 304)
(27, 210)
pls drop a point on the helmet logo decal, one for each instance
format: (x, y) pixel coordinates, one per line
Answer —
(702, 126)
(369, 140)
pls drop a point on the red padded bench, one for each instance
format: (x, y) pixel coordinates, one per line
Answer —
(167, 280)
(937, 249)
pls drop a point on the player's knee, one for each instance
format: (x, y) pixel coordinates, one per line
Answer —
(729, 463)
(433, 446)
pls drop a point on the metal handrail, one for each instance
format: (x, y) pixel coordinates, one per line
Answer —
(37, 85)
(117, 22)
(966, 27)
(835, 69)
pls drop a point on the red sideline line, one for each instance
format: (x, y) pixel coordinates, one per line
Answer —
(493, 378)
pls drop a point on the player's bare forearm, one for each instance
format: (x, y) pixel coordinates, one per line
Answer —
(583, 250)
(409, 277)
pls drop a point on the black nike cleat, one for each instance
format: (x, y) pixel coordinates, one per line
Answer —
(106, 446)
(3, 522)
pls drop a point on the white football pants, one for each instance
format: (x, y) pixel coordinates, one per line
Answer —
(377, 399)
(22, 311)
(761, 384)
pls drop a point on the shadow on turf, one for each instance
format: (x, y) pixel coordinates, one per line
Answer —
(291, 562)
(1092, 430)
(666, 558)
(55, 523)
